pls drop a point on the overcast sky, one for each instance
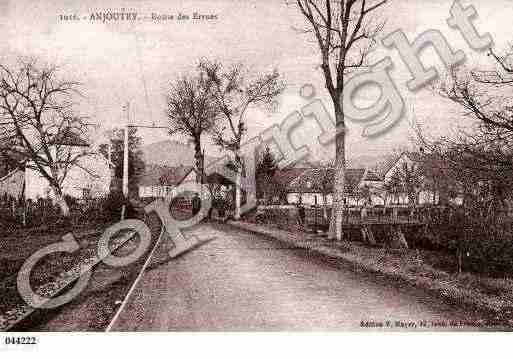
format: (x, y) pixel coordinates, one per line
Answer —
(125, 61)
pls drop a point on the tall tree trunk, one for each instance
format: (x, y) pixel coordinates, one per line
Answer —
(335, 231)
(59, 198)
(238, 195)
(198, 157)
(325, 204)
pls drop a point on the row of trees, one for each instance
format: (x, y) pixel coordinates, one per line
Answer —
(39, 115)
(214, 101)
(345, 32)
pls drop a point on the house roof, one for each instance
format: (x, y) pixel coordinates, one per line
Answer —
(372, 176)
(12, 184)
(175, 175)
(215, 177)
(317, 180)
(68, 137)
(164, 175)
(382, 168)
(287, 175)
(151, 176)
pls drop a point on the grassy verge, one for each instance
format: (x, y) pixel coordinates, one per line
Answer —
(420, 268)
(55, 270)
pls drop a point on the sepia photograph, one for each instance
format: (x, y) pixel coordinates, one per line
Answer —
(255, 167)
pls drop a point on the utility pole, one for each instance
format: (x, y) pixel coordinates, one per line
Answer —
(125, 147)
(125, 152)
(110, 151)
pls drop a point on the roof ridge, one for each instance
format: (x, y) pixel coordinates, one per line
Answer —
(9, 174)
(293, 182)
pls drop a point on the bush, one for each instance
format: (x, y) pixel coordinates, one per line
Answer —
(113, 205)
(72, 202)
(281, 215)
(221, 204)
(484, 244)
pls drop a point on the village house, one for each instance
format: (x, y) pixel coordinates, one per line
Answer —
(160, 181)
(90, 178)
(12, 184)
(397, 168)
(314, 186)
(363, 186)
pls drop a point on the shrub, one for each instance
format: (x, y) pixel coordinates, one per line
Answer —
(484, 244)
(280, 215)
(113, 205)
(221, 204)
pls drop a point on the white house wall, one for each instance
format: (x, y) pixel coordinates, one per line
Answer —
(155, 191)
(425, 197)
(161, 191)
(398, 166)
(97, 182)
(309, 198)
(12, 184)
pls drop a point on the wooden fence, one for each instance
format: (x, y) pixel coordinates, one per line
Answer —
(27, 213)
(319, 216)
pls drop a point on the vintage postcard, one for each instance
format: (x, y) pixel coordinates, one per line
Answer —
(255, 166)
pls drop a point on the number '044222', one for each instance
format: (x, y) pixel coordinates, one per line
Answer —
(20, 340)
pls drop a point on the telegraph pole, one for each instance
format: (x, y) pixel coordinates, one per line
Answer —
(125, 150)
(110, 151)
(125, 153)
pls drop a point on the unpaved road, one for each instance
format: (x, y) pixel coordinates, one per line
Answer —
(243, 281)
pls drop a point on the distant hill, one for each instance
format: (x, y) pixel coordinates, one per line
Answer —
(362, 161)
(171, 154)
(365, 161)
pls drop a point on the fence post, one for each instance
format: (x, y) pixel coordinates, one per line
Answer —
(24, 214)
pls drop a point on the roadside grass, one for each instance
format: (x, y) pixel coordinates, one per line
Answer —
(16, 249)
(94, 308)
(434, 271)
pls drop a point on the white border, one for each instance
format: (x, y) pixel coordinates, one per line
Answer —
(260, 345)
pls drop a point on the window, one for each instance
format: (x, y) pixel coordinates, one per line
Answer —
(86, 193)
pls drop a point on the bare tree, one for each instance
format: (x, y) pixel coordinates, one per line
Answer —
(485, 96)
(345, 32)
(411, 182)
(326, 176)
(234, 94)
(477, 160)
(38, 123)
(191, 111)
(393, 188)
